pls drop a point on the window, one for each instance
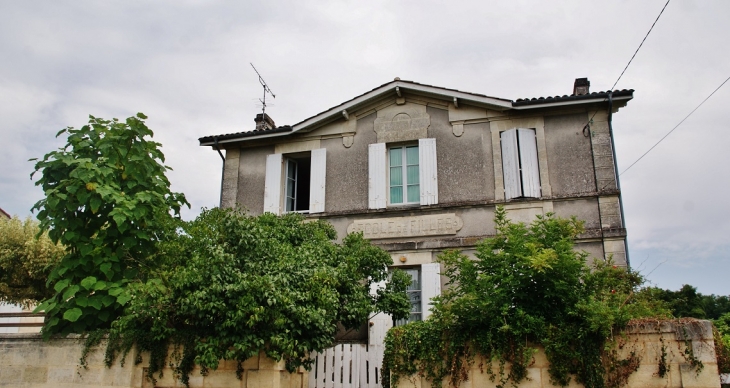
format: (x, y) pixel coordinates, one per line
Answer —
(403, 172)
(414, 294)
(520, 164)
(295, 182)
(296, 197)
(402, 175)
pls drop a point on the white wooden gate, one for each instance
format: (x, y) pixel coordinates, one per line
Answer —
(345, 366)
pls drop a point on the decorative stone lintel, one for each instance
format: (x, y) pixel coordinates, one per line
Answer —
(412, 226)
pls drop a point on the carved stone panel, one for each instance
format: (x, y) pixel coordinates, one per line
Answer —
(414, 226)
(402, 123)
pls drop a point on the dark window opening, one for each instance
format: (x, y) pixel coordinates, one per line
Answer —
(298, 172)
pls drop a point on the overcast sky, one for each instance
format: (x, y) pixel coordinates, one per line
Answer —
(186, 65)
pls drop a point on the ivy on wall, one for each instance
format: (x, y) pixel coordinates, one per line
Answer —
(527, 287)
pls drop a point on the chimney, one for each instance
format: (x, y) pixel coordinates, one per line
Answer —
(264, 122)
(581, 86)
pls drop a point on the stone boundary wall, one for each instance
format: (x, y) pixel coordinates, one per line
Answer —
(27, 361)
(649, 341)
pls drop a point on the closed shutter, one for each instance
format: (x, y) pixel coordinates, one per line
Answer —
(379, 324)
(528, 163)
(427, 169)
(317, 180)
(272, 184)
(510, 165)
(376, 176)
(430, 286)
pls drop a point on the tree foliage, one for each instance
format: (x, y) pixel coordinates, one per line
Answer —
(687, 302)
(107, 200)
(26, 259)
(237, 285)
(526, 287)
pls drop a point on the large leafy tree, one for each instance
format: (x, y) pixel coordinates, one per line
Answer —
(236, 285)
(26, 259)
(108, 201)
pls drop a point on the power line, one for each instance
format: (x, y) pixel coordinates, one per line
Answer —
(630, 60)
(641, 44)
(675, 127)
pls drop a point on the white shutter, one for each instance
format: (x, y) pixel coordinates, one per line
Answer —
(317, 180)
(528, 162)
(430, 286)
(379, 324)
(510, 165)
(272, 184)
(376, 176)
(427, 171)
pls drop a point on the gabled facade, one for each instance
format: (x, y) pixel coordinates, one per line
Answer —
(419, 169)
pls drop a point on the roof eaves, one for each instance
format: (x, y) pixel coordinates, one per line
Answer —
(233, 137)
(540, 102)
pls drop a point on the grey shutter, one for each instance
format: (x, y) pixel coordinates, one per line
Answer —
(272, 184)
(427, 171)
(510, 164)
(376, 176)
(529, 163)
(430, 286)
(317, 180)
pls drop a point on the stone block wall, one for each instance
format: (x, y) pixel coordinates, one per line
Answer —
(27, 361)
(649, 341)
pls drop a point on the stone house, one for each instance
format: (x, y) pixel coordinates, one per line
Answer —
(420, 168)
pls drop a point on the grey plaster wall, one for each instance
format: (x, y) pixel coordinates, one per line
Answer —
(462, 171)
(585, 209)
(594, 249)
(251, 178)
(569, 155)
(347, 169)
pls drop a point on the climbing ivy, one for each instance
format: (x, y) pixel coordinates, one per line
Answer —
(108, 201)
(526, 287)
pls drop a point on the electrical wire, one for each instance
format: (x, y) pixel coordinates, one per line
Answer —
(675, 127)
(629, 63)
(641, 44)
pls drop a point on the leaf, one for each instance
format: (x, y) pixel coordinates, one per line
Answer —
(72, 315)
(123, 299)
(95, 302)
(107, 300)
(88, 282)
(95, 202)
(106, 269)
(61, 285)
(70, 292)
(115, 291)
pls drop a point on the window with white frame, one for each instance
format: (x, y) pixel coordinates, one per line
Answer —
(520, 166)
(404, 187)
(295, 182)
(414, 294)
(401, 175)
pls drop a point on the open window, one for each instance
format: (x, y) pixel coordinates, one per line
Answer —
(402, 174)
(520, 164)
(425, 284)
(295, 182)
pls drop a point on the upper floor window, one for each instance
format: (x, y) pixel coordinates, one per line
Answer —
(520, 164)
(295, 182)
(402, 175)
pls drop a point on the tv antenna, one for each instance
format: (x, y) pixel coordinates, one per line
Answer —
(266, 90)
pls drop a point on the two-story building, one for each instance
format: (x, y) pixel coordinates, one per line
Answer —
(419, 168)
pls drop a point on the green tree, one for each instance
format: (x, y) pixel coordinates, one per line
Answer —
(527, 286)
(26, 259)
(237, 285)
(108, 201)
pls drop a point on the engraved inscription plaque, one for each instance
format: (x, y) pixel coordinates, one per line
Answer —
(396, 227)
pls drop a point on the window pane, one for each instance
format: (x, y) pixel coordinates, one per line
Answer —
(396, 194)
(414, 193)
(413, 175)
(396, 176)
(412, 156)
(396, 157)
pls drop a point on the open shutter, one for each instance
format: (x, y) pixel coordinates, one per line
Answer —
(272, 184)
(317, 180)
(430, 286)
(427, 170)
(528, 162)
(510, 165)
(376, 176)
